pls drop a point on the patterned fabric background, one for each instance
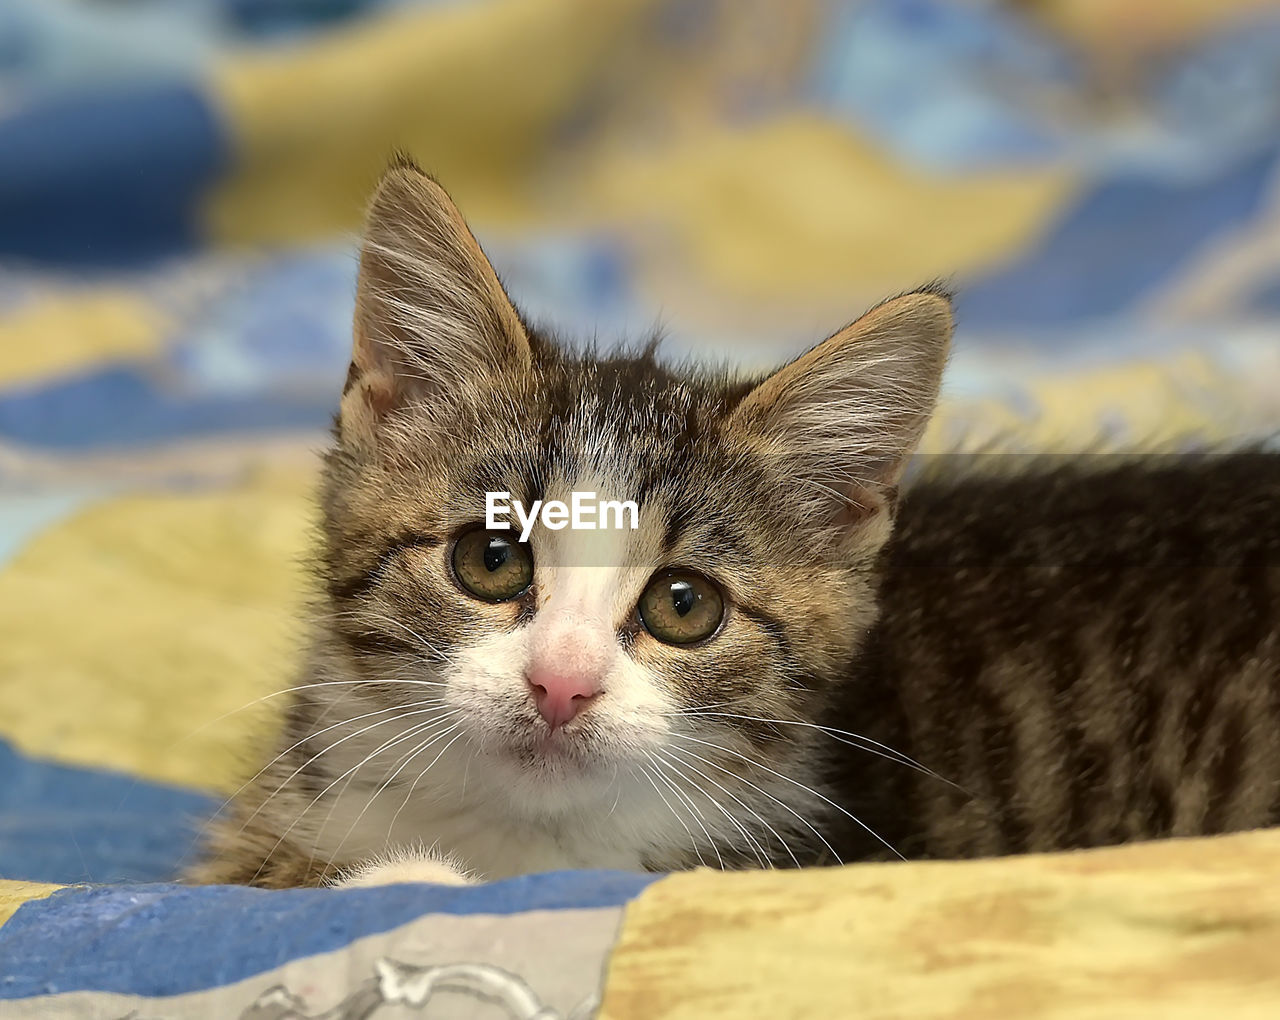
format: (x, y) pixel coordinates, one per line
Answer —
(180, 190)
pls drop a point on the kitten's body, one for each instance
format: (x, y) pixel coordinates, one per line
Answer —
(1083, 655)
(1091, 650)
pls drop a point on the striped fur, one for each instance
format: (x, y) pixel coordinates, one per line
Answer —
(993, 662)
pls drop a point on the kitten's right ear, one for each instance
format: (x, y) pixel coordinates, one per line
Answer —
(431, 316)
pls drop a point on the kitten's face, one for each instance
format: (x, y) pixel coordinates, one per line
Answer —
(585, 655)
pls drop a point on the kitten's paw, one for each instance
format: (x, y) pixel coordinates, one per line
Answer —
(406, 866)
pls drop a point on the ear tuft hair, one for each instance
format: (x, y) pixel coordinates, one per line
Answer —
(431, 314)
(402, 160)
(844, 418)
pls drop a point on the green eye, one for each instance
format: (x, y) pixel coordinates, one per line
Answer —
(680, 607)
(492, 566)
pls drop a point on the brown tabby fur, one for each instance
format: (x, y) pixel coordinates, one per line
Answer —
(1074, 653)
(1091, 650)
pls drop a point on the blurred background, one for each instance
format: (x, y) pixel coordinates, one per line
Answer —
(181, 182)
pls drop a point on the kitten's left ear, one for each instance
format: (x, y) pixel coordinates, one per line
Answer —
(843, 419)
(431, 316)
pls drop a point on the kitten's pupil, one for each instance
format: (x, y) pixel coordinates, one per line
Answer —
(496, 553)
(683, 598)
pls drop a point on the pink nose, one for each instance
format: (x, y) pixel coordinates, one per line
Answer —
(559, 696)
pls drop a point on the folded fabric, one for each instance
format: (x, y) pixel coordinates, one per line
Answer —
(1180, 928)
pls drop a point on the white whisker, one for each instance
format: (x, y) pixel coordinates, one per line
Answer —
(351, 771)
(292, 690)
(386, 783)
(692, 839)
(417, 779)
(773, 772)
(765, 862)
(696, 811)
(763, 792)
(317, 733)
(384, 618)
(759, 851)
(845, 737)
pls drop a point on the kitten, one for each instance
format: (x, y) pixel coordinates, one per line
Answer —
(784, 664)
